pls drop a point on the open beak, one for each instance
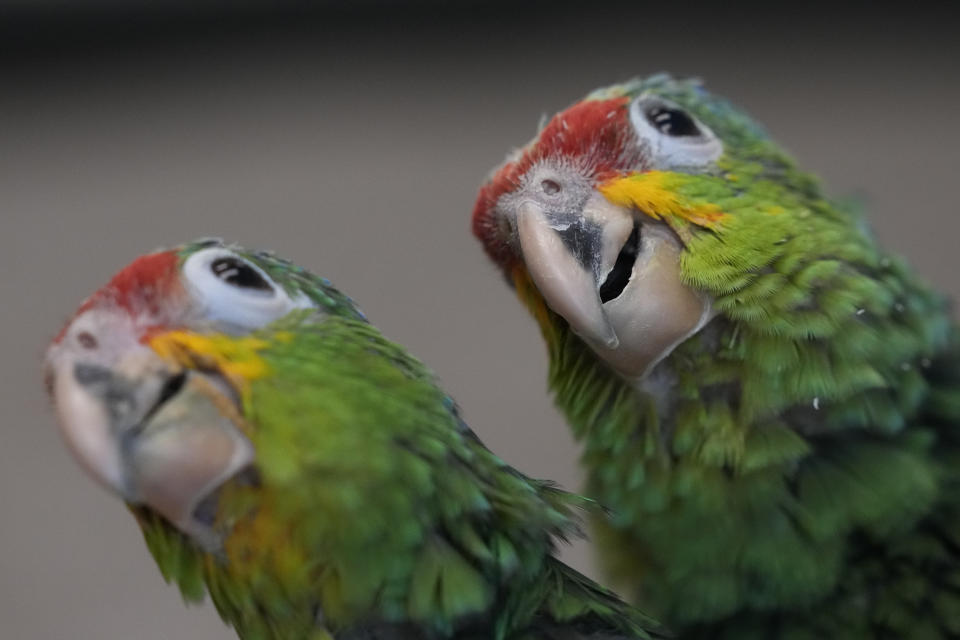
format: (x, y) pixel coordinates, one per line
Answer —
(155, 433)
(615, 276)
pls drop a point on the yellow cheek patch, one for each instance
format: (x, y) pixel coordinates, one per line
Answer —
(654, 193)
(238, 359)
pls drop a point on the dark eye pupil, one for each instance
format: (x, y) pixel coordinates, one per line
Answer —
(238, 273)
(672, 122)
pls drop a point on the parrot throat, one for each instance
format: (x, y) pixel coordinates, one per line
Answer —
(580, 381)
(258, 587)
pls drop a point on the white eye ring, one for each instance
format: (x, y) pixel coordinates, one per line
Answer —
(235, 294)
(672, 137)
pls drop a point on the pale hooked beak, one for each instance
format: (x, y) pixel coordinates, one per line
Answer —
(614, 275)
(156, 434)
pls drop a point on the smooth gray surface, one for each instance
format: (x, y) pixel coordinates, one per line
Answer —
(359, 157)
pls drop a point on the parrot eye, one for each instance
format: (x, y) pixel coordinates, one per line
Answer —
(234, 293)
(240, 274)
(671, 136)
(672, 122)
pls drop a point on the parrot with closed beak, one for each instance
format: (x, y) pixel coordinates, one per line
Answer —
(767, 401)
(283, 456)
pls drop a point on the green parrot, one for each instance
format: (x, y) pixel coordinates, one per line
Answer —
(283, 456)
(767, 402)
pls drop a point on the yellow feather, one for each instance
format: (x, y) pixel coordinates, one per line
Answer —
(652, 194)
(236, 358)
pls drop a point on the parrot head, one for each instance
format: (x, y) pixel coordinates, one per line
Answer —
(156, 432)
(632, 214)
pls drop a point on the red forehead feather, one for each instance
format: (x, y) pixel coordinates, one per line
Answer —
(143, 286)
(145, 280)
(593, 133)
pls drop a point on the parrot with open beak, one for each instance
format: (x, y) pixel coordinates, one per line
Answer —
(283, 456)
(768, 403)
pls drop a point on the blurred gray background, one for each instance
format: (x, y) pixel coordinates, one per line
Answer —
(352, 138)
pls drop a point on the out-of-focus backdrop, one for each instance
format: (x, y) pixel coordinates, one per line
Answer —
(352, 138)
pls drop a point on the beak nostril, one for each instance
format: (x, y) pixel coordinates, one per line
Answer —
(87, 340)
(550, 187)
